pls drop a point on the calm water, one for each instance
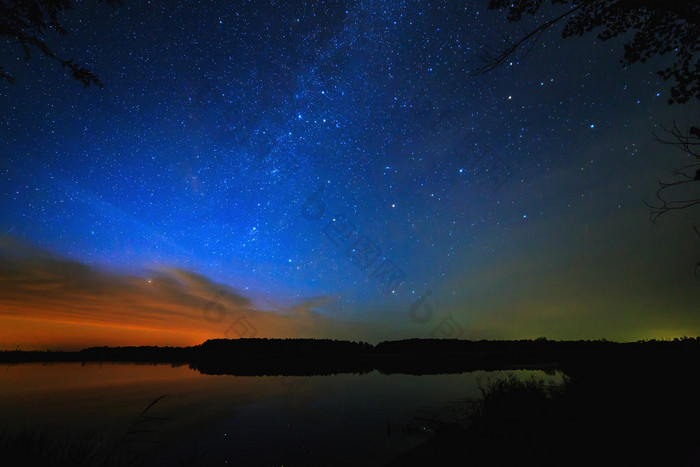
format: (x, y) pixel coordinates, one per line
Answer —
(238, 420)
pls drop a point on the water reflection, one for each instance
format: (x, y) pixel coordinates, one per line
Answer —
(344, 419)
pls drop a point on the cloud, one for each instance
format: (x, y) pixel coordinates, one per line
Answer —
(47, 301)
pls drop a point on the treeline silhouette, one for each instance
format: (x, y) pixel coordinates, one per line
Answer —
(302, 357)
(411, 356)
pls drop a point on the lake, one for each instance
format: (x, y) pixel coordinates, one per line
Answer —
(343, 419)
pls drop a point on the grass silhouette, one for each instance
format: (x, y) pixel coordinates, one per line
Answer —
(32, 447)
(606, 416)
(508, 403)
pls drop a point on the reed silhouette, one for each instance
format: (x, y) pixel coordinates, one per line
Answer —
(600, 415)
(34, 448)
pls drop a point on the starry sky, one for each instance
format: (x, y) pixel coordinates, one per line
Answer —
(332, 169)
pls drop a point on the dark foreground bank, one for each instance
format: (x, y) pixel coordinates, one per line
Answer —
(603, 414)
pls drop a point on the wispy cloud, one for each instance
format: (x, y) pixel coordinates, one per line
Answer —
(47, 301)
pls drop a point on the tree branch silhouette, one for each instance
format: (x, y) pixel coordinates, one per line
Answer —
(658, 27)
(689, 143)
(26, 23)
(697, 231)
(493, 58)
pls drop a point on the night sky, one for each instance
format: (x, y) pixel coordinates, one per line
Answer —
(332, 170)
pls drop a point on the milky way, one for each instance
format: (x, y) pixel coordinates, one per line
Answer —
(340, 157)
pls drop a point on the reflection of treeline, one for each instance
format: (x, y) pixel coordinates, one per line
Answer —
(146, 354)
(422, 356)
(413, 356)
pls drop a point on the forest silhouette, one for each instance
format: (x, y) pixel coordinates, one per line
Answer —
(306, 357)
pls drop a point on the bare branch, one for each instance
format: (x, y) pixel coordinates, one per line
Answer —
(686, 142)
(697, 231)
(492, 61)
(27, 24)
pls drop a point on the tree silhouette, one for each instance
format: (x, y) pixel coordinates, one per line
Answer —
(658, 27)
(686, 175)
(670, 194)
(26, 23)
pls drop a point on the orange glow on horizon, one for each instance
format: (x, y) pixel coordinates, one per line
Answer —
(49, 303)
